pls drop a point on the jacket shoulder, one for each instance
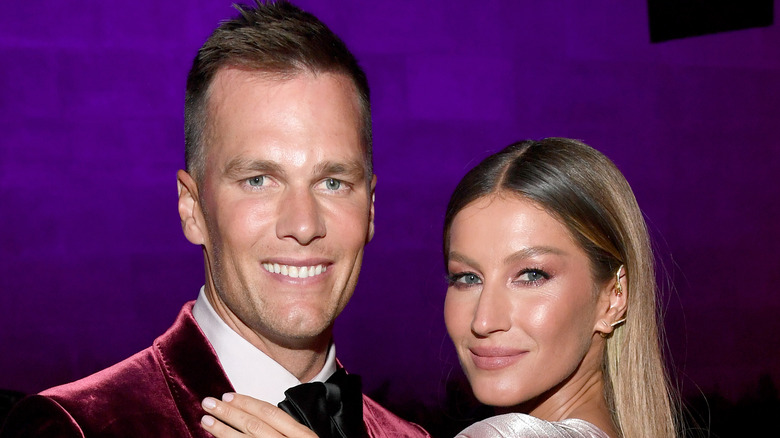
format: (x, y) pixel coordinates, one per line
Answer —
(123, 383)
(128, 395)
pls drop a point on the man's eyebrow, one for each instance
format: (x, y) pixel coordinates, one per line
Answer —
(353, 169)
(239, 166)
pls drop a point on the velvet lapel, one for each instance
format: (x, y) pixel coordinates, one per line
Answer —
(191, 368)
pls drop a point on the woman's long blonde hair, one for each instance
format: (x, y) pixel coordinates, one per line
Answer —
(585, 191)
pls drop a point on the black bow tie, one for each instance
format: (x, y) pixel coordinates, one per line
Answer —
(331, 409)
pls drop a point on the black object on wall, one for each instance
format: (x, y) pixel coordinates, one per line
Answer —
(674, 19)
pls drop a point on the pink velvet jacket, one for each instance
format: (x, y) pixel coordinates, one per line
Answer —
(155, 393)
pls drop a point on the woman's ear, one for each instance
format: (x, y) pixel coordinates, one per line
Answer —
(192, 221)
(613, 303)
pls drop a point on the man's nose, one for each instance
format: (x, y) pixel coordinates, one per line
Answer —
(300, 217)
(493, 312)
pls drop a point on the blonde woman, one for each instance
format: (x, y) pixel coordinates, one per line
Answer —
(551, 302)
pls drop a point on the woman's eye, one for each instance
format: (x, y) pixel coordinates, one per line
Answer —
(533, 276)
(469, 279)
(332, 184)
(256, 181)
(465, 279)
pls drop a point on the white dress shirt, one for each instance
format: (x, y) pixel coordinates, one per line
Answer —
(250, 371)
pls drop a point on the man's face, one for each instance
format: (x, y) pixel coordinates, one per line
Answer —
(284, 203)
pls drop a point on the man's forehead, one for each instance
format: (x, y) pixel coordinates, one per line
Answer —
(260, 91)
(279, 145)
(231, 75)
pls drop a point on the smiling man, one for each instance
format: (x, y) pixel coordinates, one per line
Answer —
(278, 193)
(283, 210)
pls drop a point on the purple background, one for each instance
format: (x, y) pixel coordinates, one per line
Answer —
(94, 265)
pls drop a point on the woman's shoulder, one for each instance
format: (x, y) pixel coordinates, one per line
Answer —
(522, 425)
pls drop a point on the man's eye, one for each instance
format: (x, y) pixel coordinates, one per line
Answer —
(256, 181)
(332, 184)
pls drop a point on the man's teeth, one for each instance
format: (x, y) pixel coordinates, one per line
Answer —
(295, 271)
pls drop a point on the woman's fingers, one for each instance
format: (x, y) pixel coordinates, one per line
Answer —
(223, 416)
(252, 417)
(221, 430)
(270, 414)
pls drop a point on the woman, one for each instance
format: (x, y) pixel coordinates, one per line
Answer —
(551, 300)
(551, 303)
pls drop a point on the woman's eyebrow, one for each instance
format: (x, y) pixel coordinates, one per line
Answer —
(533, 251)
(462, 258)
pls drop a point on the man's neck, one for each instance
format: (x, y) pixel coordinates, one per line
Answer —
(303, 358)
(252, 371)
(302, 363)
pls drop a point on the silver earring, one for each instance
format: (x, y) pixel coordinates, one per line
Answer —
(617, 323)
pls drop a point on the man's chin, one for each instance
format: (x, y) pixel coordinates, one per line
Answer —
(303, 332)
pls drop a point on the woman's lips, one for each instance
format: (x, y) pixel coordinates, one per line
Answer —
(494, 358)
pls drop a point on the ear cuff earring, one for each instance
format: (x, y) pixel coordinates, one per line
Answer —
(618, 292)
(618, 286)
(613, 325)
(617, 323)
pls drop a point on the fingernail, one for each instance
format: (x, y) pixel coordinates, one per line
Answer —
(207, 420)
(227, 397)
(209, 403)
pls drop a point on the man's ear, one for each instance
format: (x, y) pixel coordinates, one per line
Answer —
(613, 303)
(371, 211)
(192, 222)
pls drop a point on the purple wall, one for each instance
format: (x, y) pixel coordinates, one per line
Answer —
(93, 264)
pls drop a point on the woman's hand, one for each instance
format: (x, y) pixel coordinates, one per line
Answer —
(238, 415)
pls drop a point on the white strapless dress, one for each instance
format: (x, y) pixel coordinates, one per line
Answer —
(526, 426)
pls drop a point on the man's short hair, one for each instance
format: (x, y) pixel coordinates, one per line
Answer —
(274, 38)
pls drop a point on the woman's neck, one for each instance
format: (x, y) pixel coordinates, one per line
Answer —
(580, 396)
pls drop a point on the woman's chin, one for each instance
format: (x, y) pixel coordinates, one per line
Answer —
(499, 398)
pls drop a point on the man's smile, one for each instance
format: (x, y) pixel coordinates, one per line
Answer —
(295, 271)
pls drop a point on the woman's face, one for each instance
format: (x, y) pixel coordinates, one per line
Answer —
(521, 308)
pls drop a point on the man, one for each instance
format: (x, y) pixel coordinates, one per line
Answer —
(278, 192)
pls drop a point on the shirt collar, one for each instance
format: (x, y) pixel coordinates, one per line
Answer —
(250, 371)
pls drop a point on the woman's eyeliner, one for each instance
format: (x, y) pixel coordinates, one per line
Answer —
(456, 279)
(535, 276)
